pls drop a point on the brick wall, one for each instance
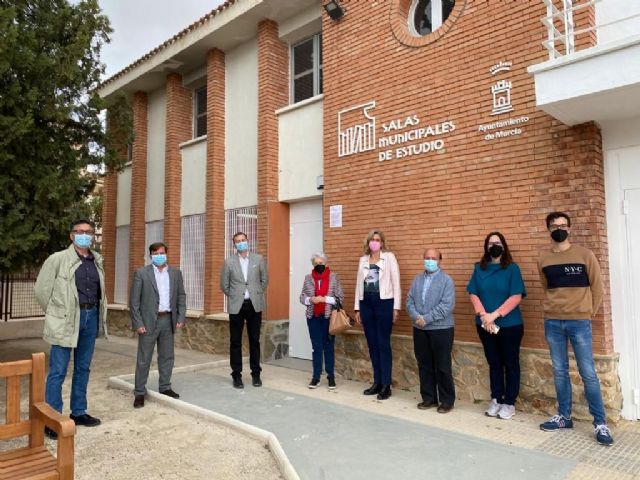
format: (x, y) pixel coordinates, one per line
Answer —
(178, 130)
(214, 226)
(109, 206)
(109, 210)
(273, 216)
(137, 247)
(453, 197)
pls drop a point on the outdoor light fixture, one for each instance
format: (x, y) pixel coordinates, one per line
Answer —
(334, 10)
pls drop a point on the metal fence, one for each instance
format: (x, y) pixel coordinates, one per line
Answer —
(563, 27)
(17, 299)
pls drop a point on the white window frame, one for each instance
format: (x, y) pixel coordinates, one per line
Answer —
(197, 116)
(436, 17)
(316, 68)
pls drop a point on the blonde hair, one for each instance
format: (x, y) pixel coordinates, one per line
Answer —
(368, 238)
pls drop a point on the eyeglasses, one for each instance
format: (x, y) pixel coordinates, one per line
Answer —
(555, 226)
(82, 232)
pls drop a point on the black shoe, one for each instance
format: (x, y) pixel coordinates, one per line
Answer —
(385, 392)
(138, 402)
(170, 393)
(445, 408)
(255, 381)
(50, 433)
(85, 420)
(373, 389)
(237, 382)
(314, 383)
(427, 405)
(332, 383)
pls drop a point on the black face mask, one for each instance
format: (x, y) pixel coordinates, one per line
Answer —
(495, 251)
(319, 269)
(559, 236)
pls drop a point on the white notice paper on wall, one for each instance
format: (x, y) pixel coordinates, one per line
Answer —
(335, 216)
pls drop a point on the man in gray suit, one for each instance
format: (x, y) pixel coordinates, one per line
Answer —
(158, 305)
(243, 280)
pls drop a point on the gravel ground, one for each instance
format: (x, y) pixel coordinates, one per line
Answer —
(153, 442)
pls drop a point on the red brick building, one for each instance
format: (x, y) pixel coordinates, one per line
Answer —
(435, 121)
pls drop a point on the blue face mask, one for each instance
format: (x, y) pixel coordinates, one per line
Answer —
(159, 259)
(242, 246)
(431, 265)
(82, 240)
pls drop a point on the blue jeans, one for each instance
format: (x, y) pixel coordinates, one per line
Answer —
(82, 355)
(377, 320)
(323, 345)
(558, 333)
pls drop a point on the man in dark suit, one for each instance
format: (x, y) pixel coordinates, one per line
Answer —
(243, 280)
(158, 305)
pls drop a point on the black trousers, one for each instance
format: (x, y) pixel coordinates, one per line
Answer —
(502, 351)
(433, 354)
(236, 326)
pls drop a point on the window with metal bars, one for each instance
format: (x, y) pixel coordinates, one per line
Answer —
(121, 293)
(153, 232)
(306, 68)
(192, 260)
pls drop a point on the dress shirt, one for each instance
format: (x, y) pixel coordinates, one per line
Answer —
(244, 265)
(162, 280)
(428, 279)
(87, 280)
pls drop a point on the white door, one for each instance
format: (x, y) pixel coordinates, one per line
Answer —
(630, 358)
(623, 230)
(305, 221)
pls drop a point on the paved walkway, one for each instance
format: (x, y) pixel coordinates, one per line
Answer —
(343, 434)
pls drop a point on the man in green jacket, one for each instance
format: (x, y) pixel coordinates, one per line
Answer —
(70, 289)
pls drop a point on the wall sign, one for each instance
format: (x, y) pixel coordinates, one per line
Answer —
(501, 103)
(335, 216)
(398, 138)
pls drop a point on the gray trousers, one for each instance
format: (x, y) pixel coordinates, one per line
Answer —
(163, 336)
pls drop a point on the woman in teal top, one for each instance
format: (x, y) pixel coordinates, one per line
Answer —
(496, 289)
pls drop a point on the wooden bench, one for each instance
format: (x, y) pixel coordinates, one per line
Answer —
(33, 462)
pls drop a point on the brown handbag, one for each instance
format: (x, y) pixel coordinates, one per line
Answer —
(340, 320)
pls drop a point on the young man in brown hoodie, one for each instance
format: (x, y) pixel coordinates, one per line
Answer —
(571, 280)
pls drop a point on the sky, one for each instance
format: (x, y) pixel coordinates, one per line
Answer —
(139, 26)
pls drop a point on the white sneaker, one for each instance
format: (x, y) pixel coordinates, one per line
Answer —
(493, 409)
(506, 411)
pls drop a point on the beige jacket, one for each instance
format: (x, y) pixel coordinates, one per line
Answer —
(57, 294)
(389, 279)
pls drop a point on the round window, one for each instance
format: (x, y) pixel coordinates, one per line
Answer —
(426, 16)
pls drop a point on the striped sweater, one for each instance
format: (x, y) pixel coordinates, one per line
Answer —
(308, 291)
(572, 283)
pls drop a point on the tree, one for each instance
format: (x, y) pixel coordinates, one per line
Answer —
(51, 132)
